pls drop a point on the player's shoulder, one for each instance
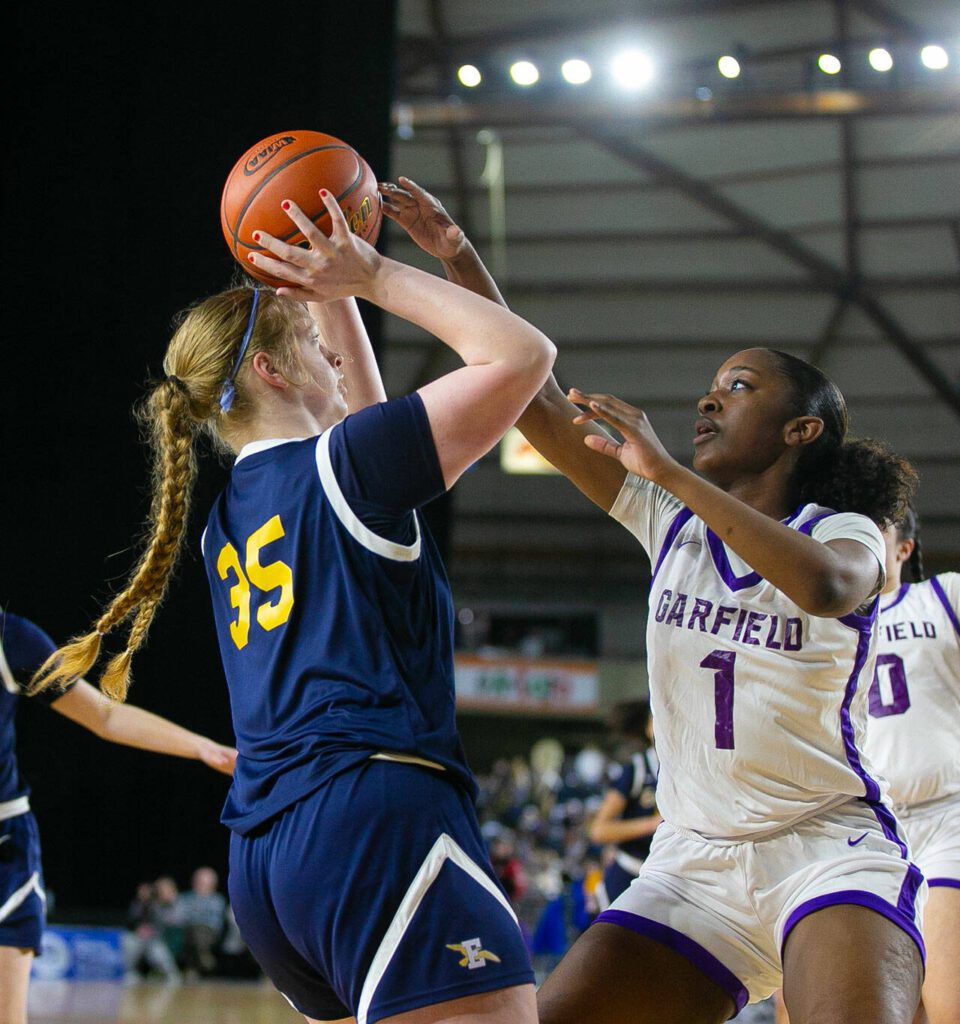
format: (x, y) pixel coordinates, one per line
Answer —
(17, 630)
(24, 646)
(947, 584)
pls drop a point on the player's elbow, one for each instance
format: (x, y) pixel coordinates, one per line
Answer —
(830, 595)
(599, 833)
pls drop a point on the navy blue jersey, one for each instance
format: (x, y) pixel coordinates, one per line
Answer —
(333, 611)
(636, 781)
(24, 647)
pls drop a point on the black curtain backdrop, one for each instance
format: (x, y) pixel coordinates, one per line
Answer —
(126, 126)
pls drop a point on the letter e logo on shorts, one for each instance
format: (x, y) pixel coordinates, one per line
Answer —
(473, 955)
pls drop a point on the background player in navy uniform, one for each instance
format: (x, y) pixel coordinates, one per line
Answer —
(628, 816)
(734, 902)
(23, 649)
(358, 875)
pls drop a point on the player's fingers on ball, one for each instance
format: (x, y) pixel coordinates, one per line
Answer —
(317, 239)
(276, 268)
(339, 229)
(288, 253)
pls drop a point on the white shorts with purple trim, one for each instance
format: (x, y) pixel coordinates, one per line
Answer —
(728, 907)
(933, 831)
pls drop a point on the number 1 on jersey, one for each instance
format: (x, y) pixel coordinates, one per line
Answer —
(723, 662)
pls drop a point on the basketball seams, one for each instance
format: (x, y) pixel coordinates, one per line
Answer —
(329, 163)
(235, 230)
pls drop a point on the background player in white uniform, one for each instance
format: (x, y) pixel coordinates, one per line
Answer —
(913, 737)
(23, 648)
(341, 683)
(777, 848)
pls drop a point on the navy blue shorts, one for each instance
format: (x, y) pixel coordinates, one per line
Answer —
(616, 881)
(374, 895)
(21, 883)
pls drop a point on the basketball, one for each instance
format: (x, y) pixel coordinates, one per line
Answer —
(295, 165)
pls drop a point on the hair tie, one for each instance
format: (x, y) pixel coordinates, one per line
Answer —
(228, 391)
(178, 383)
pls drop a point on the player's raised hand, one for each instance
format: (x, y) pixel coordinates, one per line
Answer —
(423, 217)
(641, 452)
(328, 268)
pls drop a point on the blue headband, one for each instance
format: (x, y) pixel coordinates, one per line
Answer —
(229, 391)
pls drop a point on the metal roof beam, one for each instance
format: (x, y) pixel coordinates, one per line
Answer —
(543, 29)
(650, 112)
(893, 21)
(821, 270)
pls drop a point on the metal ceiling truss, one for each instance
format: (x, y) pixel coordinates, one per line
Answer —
(821, 270)
(846, 283)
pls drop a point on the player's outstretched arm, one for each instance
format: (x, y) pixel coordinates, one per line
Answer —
(827, 580)
(342, 330)
(507, 359)
(547, 422)
(133, 727)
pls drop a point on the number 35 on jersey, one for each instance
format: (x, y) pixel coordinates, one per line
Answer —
(252, 575)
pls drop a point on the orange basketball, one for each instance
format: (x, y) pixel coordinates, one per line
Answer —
(295, 165)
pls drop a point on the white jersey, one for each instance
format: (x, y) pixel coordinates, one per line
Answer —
(760, 709)
(914, 730)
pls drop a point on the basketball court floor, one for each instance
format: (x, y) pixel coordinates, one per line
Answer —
(62, 1002)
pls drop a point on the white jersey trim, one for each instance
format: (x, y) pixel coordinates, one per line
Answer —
(262, 446)
(358, 530)
(9, 683)
(444, 849)
(20, 896)
(14, 808)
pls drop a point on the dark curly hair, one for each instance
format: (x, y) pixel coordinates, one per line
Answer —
(856, 475)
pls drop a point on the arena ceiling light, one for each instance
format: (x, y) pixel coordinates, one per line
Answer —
(576, 71)
(934, 57)
(469, 76)
(523, 72)
(632, 69)
(880, 59)
(829, 64)
(729, 67)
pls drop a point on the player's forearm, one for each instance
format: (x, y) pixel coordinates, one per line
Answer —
(468, 270)
(343, 331)
(478, 330)
(808, 572)
(134, 727)
(622, 830)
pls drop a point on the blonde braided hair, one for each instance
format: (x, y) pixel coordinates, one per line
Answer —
(198, 361)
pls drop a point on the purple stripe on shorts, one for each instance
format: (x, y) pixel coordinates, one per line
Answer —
(872, 789)
(901, 594)
(888, 822)
(704, 961)
(951, 614)
(675, 527)
(949, 883)
(907, 903)
(857, 898)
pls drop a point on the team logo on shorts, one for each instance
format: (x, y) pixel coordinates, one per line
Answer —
(472, 954)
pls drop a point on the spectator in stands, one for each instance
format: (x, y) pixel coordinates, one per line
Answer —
(202, 916)
(145, 940)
